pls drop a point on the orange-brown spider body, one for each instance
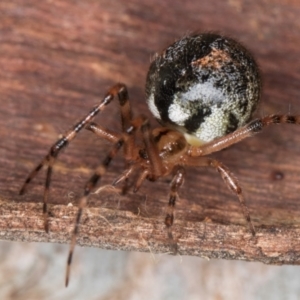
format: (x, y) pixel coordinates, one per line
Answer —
(203, 90)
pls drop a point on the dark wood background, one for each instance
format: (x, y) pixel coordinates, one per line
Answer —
(57, 59)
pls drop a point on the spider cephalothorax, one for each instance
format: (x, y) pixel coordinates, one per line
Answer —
(203, 90)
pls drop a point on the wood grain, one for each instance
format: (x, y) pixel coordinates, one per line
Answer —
(123, 230)
(58, 58)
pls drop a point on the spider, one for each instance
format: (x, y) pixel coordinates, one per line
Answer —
(202, 89)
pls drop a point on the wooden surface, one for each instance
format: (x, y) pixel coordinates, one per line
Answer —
(58, 58)
(123, 230)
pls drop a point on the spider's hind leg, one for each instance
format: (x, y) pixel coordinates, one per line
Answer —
(228, 178)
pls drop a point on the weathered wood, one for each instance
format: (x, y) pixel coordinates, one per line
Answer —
(58, 58)
(123, 230)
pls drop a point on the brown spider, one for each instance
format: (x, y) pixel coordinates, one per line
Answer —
(203, 89)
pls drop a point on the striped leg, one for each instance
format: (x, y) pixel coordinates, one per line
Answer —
(100, 171)
(104, 133)
(157, 168)
(90, 185)
(125, 175)
(126, 118)
(129, 145)
(230, 181)
(118, 89)
(176, 183)
(142, 176)
(248, 130)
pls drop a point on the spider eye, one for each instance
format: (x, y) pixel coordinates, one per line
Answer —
(143, 154)
(203, 85)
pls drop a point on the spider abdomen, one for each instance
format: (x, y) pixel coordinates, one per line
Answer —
(205, 86)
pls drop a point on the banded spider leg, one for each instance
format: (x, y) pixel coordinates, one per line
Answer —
(195, 154)
(50, 158)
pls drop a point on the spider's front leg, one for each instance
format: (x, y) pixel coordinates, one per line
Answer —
(49, 159)
(161, 163)
(90, 185)
(125, 139)
(230, 181)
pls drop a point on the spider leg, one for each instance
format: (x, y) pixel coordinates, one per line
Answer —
(156, 164)
(104, 133)
(100, 171)
(176, 183)
(143, 175)
(127, 129)
(125, 175)
(126, 120)
(120, 140)
(230, 181)
(129, 145)
(49, 159)
(248, 130)
(157, 169)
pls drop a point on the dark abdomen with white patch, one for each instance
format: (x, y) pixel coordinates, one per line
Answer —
(205, 86)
